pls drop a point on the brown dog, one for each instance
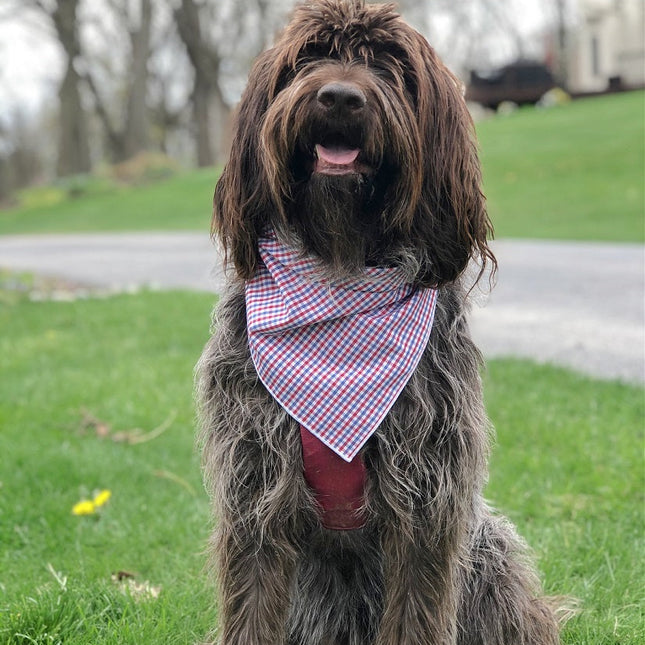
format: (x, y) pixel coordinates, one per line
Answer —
(353, 153)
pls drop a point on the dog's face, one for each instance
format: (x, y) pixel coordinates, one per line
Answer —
(353, 138)
(341, 138)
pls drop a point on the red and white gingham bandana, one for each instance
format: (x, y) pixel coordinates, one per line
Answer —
(335, 356)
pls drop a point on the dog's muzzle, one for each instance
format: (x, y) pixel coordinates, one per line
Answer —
(340, 104)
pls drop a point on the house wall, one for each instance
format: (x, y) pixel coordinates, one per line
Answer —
(608, 42)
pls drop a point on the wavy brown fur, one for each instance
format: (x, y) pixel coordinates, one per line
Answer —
(432, 566)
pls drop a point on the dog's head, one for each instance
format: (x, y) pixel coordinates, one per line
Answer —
(354, 139)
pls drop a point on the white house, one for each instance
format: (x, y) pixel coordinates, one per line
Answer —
(607, 45)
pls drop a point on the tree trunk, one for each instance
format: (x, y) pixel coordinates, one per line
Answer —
(6, 183)
(211, 116)
(136, 129)
(210, 111)
(202, 126)
(73, 146)
(221, 127)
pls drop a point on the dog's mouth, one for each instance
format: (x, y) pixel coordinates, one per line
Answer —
(334, 155)
(335, 159)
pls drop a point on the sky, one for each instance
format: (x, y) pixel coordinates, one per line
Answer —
(31, 63)
(30, 66)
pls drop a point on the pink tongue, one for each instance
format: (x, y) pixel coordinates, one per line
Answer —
(337, 156)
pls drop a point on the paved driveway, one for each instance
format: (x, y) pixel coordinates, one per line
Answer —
(118, 261)
(574, 304)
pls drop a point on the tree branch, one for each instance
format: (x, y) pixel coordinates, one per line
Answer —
(101, 110)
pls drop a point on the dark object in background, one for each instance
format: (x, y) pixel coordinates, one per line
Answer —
(520, 82)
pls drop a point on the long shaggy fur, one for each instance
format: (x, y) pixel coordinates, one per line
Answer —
(432, 566)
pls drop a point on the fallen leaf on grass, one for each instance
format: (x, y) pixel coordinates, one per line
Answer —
(117, 576)
(103, 430)
(89, 422)
(165, 474)
(127, 584)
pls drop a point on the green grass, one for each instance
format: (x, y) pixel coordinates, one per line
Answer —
(181, 202)
(127, 361)
(572, 172)
(567, 469)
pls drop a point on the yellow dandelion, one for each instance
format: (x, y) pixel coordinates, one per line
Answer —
(101, 498)
(84, 507)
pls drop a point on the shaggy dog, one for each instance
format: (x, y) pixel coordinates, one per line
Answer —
(353, 153)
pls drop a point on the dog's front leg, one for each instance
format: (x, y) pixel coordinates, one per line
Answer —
(257, 539)
(255, 581)
(420, 597)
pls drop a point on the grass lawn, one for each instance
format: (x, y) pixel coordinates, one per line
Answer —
(573, 172)
(128, 362)
(181, 202)
(77, 378)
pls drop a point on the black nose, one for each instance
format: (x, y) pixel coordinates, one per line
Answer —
(341, 97)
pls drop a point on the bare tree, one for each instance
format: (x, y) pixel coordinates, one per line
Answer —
(61, 18)
(6, 171)
(169, 99)
(22, 151)
(469, 33)
(208, 102)
(73, 149)
(222, 37)
(136, 130)
(126, 121)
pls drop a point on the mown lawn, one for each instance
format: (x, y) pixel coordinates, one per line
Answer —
(76, 381)
(182, 202)
(126, 362)
(572, 172)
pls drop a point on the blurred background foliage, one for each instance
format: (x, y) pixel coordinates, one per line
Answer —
(148, 86)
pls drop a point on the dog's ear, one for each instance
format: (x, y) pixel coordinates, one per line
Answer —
(241, 202)
(450, 225)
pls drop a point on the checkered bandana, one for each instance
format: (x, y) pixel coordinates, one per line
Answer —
(335, 356)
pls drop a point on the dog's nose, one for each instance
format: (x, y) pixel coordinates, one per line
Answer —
(340, 97)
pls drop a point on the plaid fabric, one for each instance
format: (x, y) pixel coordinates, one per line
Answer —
(335, 356)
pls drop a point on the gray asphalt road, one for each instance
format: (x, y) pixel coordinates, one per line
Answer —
(572, 304)
(118, 261)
